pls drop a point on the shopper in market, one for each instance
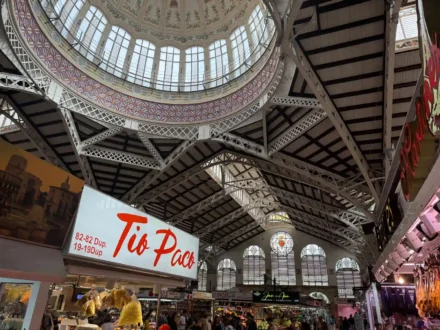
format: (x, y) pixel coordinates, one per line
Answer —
(250, 323)
(108, 324)
(183, 320)
(351, 322)
(217, 323)
(272, 325)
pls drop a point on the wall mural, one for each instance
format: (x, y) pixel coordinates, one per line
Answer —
(37, 199)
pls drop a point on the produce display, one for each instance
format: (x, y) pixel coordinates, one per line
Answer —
(131, 314)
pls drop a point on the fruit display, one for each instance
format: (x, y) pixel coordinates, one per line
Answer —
(131, 314)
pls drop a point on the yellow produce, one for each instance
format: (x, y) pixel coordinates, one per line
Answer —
(90, 309)
(98, 301)
(131, 314)
(121, 298)
(25, 298)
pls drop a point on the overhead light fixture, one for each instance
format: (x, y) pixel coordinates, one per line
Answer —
(401, 280)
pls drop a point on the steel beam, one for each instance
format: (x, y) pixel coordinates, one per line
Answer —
(296, 130)
(392, 17)
(189, 211)
(72, 133)
(10, 110)
(119, 157)
(293, 101)
(100, 137)
(217, 224)
(147, 143)
(304, 66)
(145, 182)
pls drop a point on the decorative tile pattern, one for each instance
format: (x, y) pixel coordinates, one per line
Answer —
(106, 97)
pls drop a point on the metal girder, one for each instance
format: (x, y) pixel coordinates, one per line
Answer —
(72, 133)
(276, 17)
(143, 184)
(119, 157)
(294, 171)
(304, 66)
(345, 232)
(100, 137)
(349, 218)
(296, 130)
(10, 110)
(185, 214)
(392, 17)
(18, 82)
(299, 172)
(181, 177)
(240, 143)
(293, 101)
(254, 204)
(147, 143)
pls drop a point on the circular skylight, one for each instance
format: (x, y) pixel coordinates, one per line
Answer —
(191, 48)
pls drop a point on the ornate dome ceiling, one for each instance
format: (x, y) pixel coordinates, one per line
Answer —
(182, 21)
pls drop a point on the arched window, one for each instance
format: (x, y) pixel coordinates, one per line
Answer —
(115, 51)
(283, 261)
(320, 295)
(168, 74)
(240, 50)
(70, 12)
(218, 59)
(194, 69)
(142, 60)
(259, 31)
(314, 266)
(90, 32)
(226, 272)
(254, 266)
(202, 277)
(347, 277)
(64, 13)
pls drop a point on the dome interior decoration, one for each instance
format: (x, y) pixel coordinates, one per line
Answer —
(103, 32)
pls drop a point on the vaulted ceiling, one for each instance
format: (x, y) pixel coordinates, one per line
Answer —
(318, 150)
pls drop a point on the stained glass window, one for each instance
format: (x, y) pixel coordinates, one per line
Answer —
(347, 277)
(283, 259)
(314, 266)
(254, 266)
(202, 277)
(226, 275)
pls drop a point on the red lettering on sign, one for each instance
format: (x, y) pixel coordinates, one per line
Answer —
(167, 247)
(186, 260)
(130, 219)
(163, 249)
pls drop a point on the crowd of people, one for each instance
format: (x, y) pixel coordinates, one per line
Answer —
(184, 321)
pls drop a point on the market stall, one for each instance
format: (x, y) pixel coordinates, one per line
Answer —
(285, 307)
(202, 303)
(134, 251)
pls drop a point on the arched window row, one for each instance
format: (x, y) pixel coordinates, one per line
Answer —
(166, 68)
(313, 267)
